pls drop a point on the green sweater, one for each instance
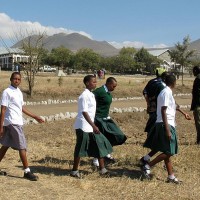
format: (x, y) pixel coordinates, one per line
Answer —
(103, 100)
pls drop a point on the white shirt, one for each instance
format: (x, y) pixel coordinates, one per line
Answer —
(12, 98)
(165, 98)
(86, 103)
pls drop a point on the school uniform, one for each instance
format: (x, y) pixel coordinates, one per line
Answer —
(152, 90)
(13, 135)
(157, 139)
(195, 105)
(88, 143)
(102, 120)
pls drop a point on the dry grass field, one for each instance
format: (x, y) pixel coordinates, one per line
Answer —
(51, 145)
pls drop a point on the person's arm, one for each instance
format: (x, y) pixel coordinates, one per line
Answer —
(88, 119)
(187, 116)
(37, 118)
(3, 111)
(164, 118)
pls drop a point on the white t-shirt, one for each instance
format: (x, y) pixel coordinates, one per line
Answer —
(165, 98)
(12, 98)
(86, 103)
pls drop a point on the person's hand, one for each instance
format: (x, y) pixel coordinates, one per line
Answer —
(39, 119)
(1, 132)
(187, 116)
(96, 130)
(169, 136)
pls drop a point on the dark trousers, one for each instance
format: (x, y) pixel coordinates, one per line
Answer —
(196, 114)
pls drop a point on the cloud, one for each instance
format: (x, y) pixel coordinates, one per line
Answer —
(10, 27)
(135, 44)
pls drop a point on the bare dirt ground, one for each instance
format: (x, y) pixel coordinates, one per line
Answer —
(50, 154)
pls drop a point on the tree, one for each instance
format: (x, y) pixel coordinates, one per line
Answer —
(87, 59)
(130, 51)
(60, 56)
(144, 58)
(32, 45)
(181, 54)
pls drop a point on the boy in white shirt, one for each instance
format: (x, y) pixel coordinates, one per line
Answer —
(11, 122)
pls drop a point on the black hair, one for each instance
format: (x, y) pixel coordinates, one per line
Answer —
(88, 78)
(110, 80)
(13, 75)
(196, 70)
(170, 79)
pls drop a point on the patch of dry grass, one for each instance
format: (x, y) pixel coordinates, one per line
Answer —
(51, 157)
(51, 146)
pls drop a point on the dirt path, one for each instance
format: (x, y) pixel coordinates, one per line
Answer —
(47, 110)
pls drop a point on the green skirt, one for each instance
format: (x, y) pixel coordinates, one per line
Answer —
(158, 141)
(111, 131)
(91, 145)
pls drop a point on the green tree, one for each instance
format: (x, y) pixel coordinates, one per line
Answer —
(60, 56)
(181, 54)
(130, 51)
(87, 59)
(144, 58)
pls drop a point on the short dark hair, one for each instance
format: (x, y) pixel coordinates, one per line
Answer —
(196, 70)
(110, 80)
(88, 78)
(13, 75)
(170, 79)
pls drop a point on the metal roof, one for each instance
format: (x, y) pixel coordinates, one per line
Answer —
(8, 50)
(157, 52)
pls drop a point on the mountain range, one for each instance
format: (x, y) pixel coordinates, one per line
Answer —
(76, 41)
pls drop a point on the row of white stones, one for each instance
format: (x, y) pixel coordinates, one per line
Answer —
(52, 101)
(71, 115)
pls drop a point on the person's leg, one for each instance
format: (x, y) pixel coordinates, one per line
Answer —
(75, 173)
(103, 170)
(76, 163)
(27, 172)
(3, 151)
(146, 159)
(23, 157)
(196, 114)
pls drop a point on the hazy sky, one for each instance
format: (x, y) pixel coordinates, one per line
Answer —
(137, 23)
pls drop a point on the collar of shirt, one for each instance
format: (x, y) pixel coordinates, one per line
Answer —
(106, 89)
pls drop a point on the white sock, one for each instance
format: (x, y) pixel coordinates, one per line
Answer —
(147, 169)
(27, 170)
(108, 156)
(171, 176)
(74, 172)
(147, 157)
(95, 162)
(103, 171)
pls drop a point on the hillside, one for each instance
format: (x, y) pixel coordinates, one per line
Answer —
(74, 42)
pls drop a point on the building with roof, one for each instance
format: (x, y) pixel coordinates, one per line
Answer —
(168, 64)
(11, 57)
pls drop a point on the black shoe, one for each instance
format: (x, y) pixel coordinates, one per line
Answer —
(174, 180)
(30, 176)
(110, 160)
(146, 172)
(75, 175)
(2, 173)
(143, 161)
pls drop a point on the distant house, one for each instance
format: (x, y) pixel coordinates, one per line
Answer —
(163, 54)
(10, 57)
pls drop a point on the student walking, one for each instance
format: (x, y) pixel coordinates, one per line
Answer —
(195, 105)
(103, 121)
(163, 137)
(11, 122)
(90, 141)
(151, 92)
